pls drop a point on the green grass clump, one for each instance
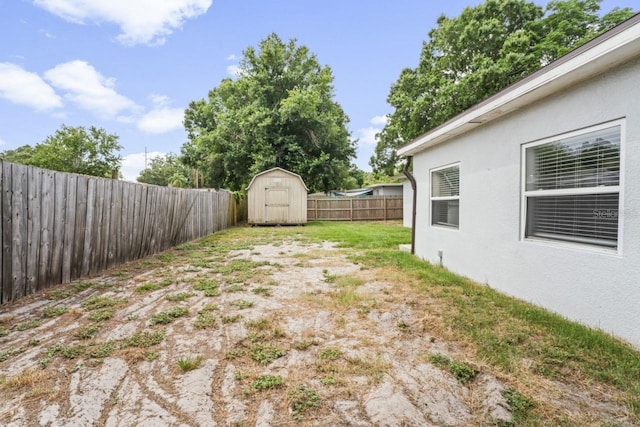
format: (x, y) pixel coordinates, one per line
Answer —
(265, 353)
(29, 325)
(181, 296)
(4, 331)
(262, 291)
(231, 319)
(10, 352)
(154, 286)
(101, 314)
(143, 339)
(242, 304)
(519, 404)
(330, 353)
(55, 311)
(168, 316)
(204, 320)
(98, 302)
(87, 332)
(102, 350)
(71, 352)
(189, 363)
(208, 286)
(461, 371)
(234, 354)
(265, 382)
(301, 399)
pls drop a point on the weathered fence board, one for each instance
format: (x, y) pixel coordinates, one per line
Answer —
(56, 227)
(369, 208)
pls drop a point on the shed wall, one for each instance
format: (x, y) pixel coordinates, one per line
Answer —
(596, 288)
(278, 181)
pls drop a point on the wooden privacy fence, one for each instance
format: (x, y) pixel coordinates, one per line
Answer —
(368, 208)
(57, 226)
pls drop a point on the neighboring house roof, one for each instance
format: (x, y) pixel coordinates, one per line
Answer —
(612, 48)
(391, 184)
(281, 170)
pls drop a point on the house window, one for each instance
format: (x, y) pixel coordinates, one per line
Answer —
(445, 196)
(572, 187)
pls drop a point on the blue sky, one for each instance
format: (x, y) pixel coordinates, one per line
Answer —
(132, 66)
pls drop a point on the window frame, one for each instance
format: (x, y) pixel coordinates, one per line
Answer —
(619, 189)
(443, 198)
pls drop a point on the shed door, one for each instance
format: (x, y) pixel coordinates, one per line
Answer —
(276, 207)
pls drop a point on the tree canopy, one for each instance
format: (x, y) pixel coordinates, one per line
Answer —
(278, 112)
(166, 170)
(475, 55)
(90, 151)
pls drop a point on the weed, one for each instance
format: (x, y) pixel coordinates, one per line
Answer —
(143, 339)
(166, 257)
(265, 353)
(404, 326)
(240, 375)
(98, 302)
(10, 352)
(208, 308)
(181, 296)
(50, 354)
(264, 382)
(82, 286)
(461, 371)
(71, 352)
(59, 294)
(204, 320)
(3, 331)
(152, 355)
(302, 399)
(234, 354)
(328, 380)
(165, 317)
(189, 363)
(29, 325)
(34, 342)
(234, 288)
(154, 286)
(330, 353)
(55, 311)
(231, 319)
(520, 404)
(206, 284)
(262, 291)
(101, 314)
(103, 350)
(242, 304)
(304, 345)
(87, 332)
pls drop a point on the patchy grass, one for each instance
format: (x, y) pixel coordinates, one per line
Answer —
(302, 399)
(101, 314)
(102, 350)
(87, 332)
(55, 311)
(189, 363)
(155, 286)
(98, 302)
(242, 304)
(180, 296)
(143, 339)
(265, 353)
(461, 371)
(265, 382)
(29, 325)
(10, 352)
(168, 316)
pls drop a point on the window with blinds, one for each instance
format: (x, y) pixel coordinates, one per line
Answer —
(445, 196)
(572, 187)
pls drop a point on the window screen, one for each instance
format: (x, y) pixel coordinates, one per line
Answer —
(445, 196)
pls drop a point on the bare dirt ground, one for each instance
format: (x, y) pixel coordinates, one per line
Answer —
(272, 334)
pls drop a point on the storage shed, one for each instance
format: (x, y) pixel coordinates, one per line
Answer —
(277, 197)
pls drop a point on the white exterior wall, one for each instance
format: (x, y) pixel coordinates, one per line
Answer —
(596, 288)
(407, 203)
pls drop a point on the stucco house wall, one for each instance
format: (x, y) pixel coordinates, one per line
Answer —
(596, 287)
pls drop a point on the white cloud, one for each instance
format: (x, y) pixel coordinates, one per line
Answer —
(141, 21)
(161, 120)
(368, 135)
(379, 120)
(47, 34)
(232, 57)
(87, 88)
(133, 164)
(25, 88)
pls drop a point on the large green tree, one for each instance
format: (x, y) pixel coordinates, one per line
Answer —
(471, 57)
(166, 170)
(90, 151)
(279, 111)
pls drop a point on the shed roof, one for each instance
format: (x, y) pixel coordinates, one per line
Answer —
(612, 48)
(281, 170)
